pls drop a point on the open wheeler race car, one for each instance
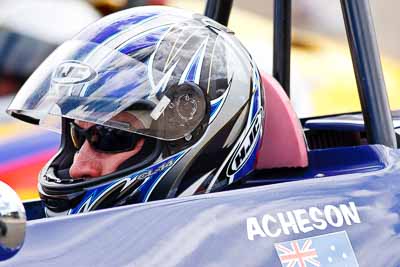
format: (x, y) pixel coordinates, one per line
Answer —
(33, 146)
(323, 193)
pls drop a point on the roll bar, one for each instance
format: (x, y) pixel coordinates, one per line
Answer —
(368, 70)
(282, 43)
(365, 56)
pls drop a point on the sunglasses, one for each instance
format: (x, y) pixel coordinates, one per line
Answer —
(103, 139)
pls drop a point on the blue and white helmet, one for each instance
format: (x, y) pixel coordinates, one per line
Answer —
(187, 76)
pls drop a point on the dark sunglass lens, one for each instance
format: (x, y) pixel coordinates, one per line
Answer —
(103, 139)
(113, 140)
(126, 141)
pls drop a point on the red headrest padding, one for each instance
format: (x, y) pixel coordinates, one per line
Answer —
(283, 142)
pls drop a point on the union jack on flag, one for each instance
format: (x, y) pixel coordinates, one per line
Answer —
(296, 256)
(330, 250)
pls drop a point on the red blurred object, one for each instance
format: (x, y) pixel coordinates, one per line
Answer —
(157, 2)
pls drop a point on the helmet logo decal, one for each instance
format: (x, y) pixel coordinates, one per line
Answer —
(243, 151)
(73, 72)
(160, 168)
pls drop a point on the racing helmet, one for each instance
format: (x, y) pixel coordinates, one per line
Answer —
(190, 81)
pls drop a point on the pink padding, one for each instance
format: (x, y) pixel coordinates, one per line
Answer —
(283, 141)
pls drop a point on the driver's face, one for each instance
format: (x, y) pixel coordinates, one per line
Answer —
(90, 163)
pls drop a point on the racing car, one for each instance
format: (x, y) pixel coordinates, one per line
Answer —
(32, 147)
(327, 197)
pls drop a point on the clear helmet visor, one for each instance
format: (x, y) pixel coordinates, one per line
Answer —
(93, 83)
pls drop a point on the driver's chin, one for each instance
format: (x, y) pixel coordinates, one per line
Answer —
(88, 163)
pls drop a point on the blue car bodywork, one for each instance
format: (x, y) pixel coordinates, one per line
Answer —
(220, 229)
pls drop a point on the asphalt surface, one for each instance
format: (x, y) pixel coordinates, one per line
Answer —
(324, 16)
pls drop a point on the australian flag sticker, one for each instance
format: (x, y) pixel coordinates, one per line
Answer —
(330, 250)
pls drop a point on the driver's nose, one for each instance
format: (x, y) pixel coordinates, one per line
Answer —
(87, 163)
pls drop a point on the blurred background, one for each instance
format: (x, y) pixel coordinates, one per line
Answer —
(325, 17)
(322, 77)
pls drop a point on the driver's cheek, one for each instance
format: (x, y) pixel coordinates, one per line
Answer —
(89, 163)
